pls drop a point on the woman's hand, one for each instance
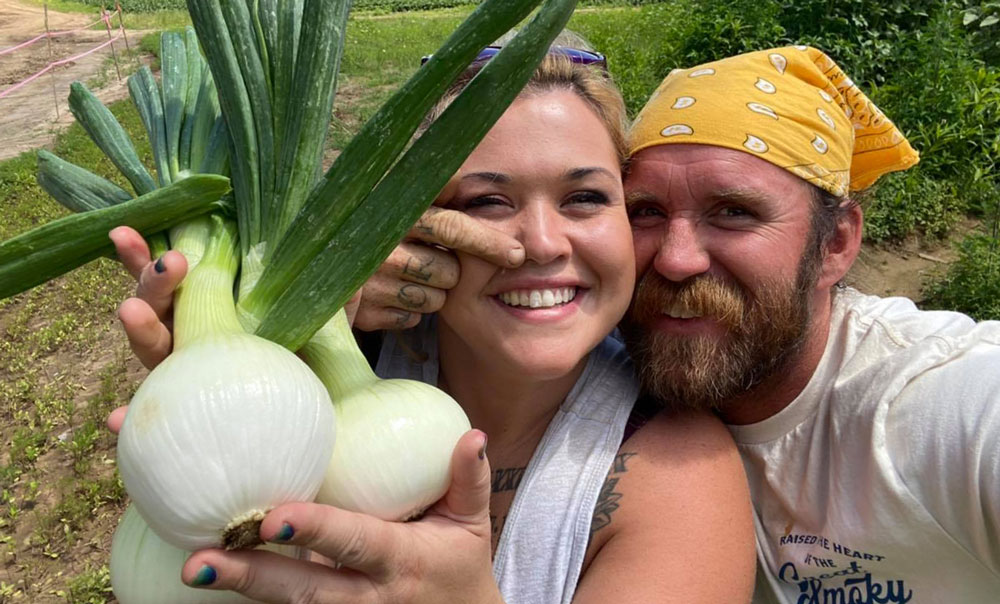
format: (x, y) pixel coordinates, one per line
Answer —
(146, 317)
(443, 557)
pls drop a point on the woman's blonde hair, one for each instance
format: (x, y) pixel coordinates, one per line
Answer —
(557, 72)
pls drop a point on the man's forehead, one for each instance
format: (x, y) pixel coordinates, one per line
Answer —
(710, 169)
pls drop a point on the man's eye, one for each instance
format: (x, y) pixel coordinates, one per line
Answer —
(644, 212)
(734, 212)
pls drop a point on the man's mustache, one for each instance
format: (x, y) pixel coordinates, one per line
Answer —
(705, 296)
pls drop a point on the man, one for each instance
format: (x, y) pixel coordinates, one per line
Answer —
(868, 428)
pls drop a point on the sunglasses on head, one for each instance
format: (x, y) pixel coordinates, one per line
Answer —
(581, 57)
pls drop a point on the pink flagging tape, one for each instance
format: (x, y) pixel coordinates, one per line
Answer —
(105, 18)
(58, 63)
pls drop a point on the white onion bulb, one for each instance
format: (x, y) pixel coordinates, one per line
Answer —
(228, 427)
(392, 457)
(147, 570)
(222, 431)
(395, 438)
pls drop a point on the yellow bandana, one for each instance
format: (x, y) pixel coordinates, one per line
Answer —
(791, 106)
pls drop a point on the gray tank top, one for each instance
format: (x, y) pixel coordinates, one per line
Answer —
(544, 540)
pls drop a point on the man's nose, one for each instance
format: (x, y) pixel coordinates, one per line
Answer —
(543, 236)
(681, 253)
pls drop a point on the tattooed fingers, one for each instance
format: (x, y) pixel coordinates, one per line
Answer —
(416, 262)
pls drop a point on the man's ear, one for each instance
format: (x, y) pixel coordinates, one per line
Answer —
(843, 248)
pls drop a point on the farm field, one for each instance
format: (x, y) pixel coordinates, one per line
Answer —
(65, 364)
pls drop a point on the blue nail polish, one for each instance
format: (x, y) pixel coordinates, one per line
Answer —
(205, 576)
(285, 533)
(159, 266)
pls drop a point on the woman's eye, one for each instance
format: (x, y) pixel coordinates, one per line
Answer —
(473, 204)
(484, 201)
(588, 197)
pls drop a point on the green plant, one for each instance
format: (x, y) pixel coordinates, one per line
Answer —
(972, 284)
(723, 28)
(911, 202)
(983, 20)
(8, 592)
(92, 586)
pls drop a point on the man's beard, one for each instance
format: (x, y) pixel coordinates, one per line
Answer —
(764, 328)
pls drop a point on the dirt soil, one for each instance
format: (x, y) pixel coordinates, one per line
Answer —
(28, 116)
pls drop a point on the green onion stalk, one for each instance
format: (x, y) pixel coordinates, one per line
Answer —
(227, 426)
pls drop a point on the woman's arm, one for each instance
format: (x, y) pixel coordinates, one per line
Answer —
(674, 522)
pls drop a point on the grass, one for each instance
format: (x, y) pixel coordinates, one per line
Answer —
(64, 365)
(133, 20)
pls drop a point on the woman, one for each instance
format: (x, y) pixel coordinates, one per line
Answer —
(575, 509)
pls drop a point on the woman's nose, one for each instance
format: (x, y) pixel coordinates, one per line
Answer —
(681, 254)
(544, 235)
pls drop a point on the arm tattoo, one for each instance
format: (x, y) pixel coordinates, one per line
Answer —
(496, 527)
(412, 296)
(418, 268)
(607, 501)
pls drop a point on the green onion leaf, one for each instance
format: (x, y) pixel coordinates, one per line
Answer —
(60, 246)
(109, 135)
(373, 229)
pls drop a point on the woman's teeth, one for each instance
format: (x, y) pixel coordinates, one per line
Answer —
(538, 298)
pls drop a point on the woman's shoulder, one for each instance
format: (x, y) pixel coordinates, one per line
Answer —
(673, 448)
(676, 493)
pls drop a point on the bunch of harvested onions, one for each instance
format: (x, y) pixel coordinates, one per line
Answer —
(233, 423)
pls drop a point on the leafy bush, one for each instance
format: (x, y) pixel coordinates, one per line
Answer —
(984, 21)
(972, 284)
(911, 202)
(642, 46)
(948, 102)
(723, 28)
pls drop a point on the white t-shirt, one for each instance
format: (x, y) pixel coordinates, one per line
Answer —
(880, 482)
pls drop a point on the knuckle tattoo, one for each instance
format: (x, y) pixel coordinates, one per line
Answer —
(402, 317)
(418, 268)
(412, 296)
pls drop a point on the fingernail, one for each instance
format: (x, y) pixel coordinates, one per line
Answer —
(285, 533)
(160, 266)
(205, 576)
(516, 256)
(482, 450)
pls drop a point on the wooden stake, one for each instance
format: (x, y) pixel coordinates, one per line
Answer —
(48, 42)
(121, 24)
(114, 55)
